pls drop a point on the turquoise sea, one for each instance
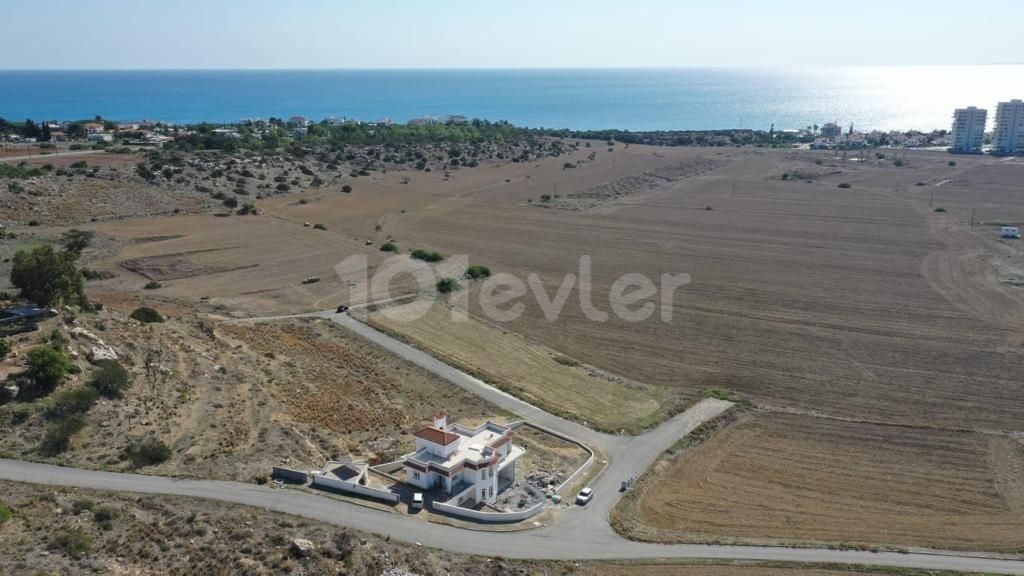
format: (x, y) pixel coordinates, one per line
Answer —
(636, 99)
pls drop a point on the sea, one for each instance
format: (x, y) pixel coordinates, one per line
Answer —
(905, 97)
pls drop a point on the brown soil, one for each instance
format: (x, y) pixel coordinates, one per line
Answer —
(787, 478)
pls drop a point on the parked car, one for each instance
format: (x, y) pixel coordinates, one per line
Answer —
(584, 496)
(417, 501)
(342, 309)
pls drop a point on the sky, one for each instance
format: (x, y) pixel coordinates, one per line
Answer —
(218, 34)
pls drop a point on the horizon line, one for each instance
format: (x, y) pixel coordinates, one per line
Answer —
(503, 68)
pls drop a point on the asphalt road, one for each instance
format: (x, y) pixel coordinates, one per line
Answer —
(579, 533)
(553, 542)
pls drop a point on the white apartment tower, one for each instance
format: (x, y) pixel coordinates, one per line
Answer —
(1008, 137)
(968, 129)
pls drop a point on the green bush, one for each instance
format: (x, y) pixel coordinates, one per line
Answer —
(477, 272)
(346, 189)
(104, 514)
(844, 184)
(427, 255)
(47, 368)
(319, 227)
(5, 349)
(951, 163)
(446, 285)
(111, 380)
(82, 504)
(73, 401)
(940, 209)
(389, 247)
(147, 452)
(146, 315)
(74, 543)
(153, 285)
(5, 513)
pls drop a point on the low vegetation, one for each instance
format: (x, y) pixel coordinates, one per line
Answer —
(146, 315)
(427, 255)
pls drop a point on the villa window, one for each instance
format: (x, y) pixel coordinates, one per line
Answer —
(416, 475)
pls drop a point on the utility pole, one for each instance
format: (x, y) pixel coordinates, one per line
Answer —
(972, 217)
(931, 198)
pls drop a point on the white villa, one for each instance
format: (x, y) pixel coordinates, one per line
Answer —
(467, 464)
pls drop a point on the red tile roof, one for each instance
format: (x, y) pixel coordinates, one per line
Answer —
(437, 436)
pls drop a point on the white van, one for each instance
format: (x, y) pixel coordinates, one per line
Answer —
(1010, 232)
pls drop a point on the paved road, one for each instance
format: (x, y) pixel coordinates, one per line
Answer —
(578, 533)
(554, 542)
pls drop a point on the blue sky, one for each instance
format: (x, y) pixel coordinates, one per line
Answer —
(503, 34)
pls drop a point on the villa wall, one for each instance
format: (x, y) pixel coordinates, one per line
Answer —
(342, 486)
(491, 517)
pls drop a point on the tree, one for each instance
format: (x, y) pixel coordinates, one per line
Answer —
(111, 380)
(30, 130)
(47, 368)
(75, 241)
(44, 134)
(46, 276)
(5, 349)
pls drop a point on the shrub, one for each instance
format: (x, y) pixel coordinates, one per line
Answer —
(951, 163)
(58, 435)
(74, 543)
(147, 452)
(5, 349)
(47, 368)
(5, 513)
(389, 247)
(568, 166)
(446, 285)
(146, 315)
(940, 209)
(319, 227)
(477, 272)
(73, 401)
(898, 162)
(104, 514)
(785, 175)
(346, 189)
(844, 184)
(153, 285)
(427, 255)
(111, 380)
(231, 202)
(82, 504)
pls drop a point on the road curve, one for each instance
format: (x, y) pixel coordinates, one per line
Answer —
(549, 543)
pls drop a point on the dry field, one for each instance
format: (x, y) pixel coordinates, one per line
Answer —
(784, 478)
(855, 302)
(532, 372)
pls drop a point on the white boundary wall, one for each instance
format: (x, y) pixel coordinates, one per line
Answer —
(341, 485)
(493, 517)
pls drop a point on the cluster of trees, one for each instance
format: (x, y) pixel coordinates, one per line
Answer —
(49, 276)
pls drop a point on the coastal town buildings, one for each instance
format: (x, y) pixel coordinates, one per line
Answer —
(968, 129)
(1008, 137)
(468, 464)
(831, 130)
